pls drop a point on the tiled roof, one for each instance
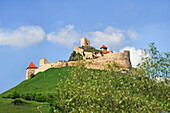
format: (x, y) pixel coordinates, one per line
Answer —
(32, 65)
(103, 46)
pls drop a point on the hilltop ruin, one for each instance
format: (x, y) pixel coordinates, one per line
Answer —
(91, 57)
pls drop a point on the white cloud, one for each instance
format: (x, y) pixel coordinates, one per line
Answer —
(22, 37)
(66, 36)
(30, 35)
(111, 37)
(135, 55)
(132, 34)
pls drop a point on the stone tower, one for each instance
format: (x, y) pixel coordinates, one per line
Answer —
(84, 42)
(42, 63)
(30, 70)
(127, 58)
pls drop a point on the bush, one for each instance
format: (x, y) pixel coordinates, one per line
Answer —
(8, 96)
(33, 96)
(26, 96)
(15, 95)
(40, 98)
(18, 101)
(49, 98)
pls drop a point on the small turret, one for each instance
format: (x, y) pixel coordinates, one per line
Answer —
(30, 70)
(103, 48)
(32, 66)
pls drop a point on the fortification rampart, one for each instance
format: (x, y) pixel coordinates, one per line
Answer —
(121, 59)
(93, 60)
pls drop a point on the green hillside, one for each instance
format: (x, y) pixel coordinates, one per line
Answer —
(43, 82)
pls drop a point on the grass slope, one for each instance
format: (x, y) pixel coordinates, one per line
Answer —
(43, 82)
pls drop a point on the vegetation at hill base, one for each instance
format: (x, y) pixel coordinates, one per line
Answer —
(77, 89)
(7, 106)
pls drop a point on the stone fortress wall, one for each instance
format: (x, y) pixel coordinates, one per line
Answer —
(91, 60)
(121, 59)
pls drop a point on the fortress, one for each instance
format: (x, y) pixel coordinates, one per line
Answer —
(91, 57)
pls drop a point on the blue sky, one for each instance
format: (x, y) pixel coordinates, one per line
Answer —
(32, 29)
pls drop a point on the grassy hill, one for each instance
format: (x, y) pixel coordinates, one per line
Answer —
(43, 82)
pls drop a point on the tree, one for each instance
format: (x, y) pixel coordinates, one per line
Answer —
(155, 64)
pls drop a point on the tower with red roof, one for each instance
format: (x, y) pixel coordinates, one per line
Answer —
(32, 66)
(30, 70)
(104, 49)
